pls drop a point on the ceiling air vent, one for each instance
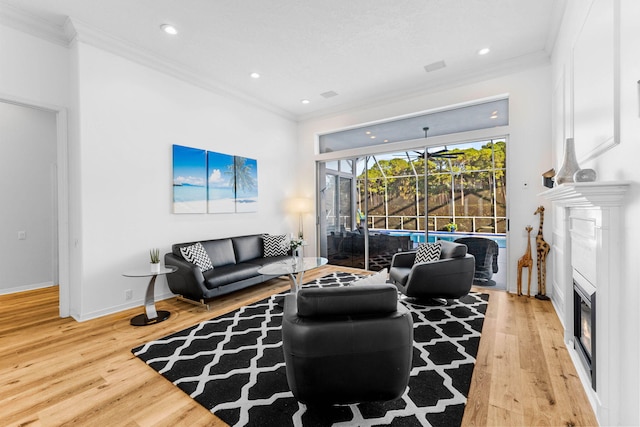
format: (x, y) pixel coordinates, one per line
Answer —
(434, 66)
(329, 94)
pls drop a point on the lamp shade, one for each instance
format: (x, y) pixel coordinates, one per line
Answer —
(299, 205)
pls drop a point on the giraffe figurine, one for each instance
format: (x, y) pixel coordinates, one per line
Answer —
(542, 249)
(525, 261)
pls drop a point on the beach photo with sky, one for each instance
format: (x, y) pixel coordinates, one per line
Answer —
(189, 180)
(221, 182)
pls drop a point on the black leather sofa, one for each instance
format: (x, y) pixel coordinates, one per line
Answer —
(347, 344)
(235, 261)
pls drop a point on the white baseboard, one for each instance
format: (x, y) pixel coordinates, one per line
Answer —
(119, 308)
(26, 288)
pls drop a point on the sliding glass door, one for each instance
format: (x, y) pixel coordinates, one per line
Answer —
(339, 219)
(375, 206)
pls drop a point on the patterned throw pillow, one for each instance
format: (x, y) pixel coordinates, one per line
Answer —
(428, 252)
(275, 245)
(196, 254)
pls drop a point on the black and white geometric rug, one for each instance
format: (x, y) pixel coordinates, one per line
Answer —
(233, 365)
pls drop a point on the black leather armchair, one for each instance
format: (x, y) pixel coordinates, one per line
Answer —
(450, 277)
(485, 251)
(347, 344)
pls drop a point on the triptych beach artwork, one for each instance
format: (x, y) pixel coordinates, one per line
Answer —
(210, 182)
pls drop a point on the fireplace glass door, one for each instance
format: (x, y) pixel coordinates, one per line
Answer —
(584, 328)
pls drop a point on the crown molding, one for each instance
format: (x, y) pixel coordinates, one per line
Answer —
(557, 15)
(74, 30)
(31, 24)
(79, 31)
(510, 66)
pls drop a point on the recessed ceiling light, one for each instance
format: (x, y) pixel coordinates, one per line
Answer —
(373, 137)
(305, 101)
(255, 75)
(484, 51)
(368, 132)
(169, 29)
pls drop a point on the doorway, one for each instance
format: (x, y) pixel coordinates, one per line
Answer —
(35, 223)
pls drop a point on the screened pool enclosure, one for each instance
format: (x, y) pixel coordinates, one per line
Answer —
(376, 205)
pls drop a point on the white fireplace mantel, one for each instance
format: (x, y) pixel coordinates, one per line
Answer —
(587, 236)
(588, 194)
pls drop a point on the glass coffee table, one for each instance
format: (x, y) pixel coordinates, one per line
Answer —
(294, 268)
(150, 315)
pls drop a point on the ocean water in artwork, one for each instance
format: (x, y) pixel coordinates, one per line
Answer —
(189, 193)
(220, 182)
(189, 180)
(221, 200)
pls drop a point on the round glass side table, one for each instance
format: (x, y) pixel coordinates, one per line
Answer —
(151, 315)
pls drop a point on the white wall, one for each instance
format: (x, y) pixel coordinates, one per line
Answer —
(33, 70)
(129, 117)
(28, 143)
(528, 149)
(619, 163)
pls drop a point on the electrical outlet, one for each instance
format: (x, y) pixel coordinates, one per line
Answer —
(525, 185)
(128, 294)
(22, 235)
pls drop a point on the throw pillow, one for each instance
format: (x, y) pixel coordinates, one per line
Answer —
(373, 279)
(275, 245)
(196, 254)
(428, 252)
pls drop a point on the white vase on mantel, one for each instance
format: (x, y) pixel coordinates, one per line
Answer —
(569, 164)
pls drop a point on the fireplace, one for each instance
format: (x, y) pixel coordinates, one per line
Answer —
(584, 325)
(587, 247)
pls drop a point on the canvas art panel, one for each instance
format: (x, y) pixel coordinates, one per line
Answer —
(189, 180)
(221, 183)
(246, 184)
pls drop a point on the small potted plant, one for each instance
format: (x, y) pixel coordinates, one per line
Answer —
(294, 244)
(451, 227)
(154, 254)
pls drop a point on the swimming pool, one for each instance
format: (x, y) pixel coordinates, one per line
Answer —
(418, 236)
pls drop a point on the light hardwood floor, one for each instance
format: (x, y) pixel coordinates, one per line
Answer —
(56, 372)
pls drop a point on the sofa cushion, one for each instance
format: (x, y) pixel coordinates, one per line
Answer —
(247, 247)
(227, 274)
(275, 245)
(428, 252)
(261, 262)
(220, 251)
(196, 254)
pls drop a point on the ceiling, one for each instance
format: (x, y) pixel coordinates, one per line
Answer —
(363, 50)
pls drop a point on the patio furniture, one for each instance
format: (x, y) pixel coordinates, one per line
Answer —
(485, 251)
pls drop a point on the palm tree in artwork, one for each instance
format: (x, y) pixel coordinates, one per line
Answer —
(242, 179)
